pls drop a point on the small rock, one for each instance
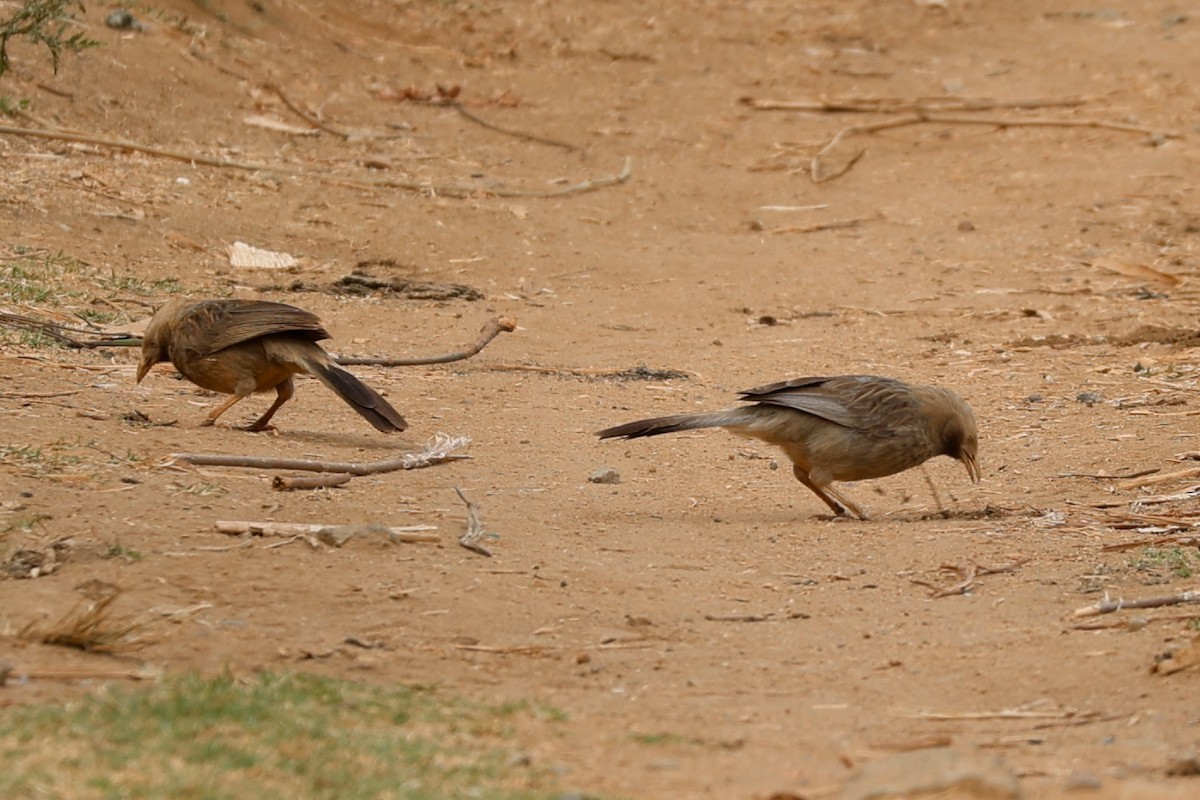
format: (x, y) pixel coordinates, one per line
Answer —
(966, 225)
(122, 20)
(941, 772)
(1089, 398)
(1034, 398)
(605, 475)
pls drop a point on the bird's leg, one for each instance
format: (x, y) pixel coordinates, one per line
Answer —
(219, 410)
(832, 497)
(937, 498)
(283, 393)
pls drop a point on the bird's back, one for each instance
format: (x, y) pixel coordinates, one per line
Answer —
(845, 428)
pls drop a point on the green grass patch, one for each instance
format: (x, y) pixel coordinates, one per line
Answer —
(38, 279)
(291, 736)
(665, 739)
(1175, 560)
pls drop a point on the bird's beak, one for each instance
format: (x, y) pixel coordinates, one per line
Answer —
(972, 465)
(143, 368)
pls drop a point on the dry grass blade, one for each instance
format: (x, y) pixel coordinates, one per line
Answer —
(93, 628)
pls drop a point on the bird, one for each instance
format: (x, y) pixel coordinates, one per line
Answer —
(840, 428)
(240, 347)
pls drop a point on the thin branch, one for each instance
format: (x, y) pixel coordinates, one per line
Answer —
(967, 577)
(59, 333)
(409, 534)
(827, 226)
(37, 395)
(1140, 481)
(1050, 123)
(897, 104)
(490, 331)
(1013, 713)
(440, 448)
(1109, 606)
(311, 119)
(590, 185)
(1157, 541)
(639, 373)
(475, 532)
(816, 168)
(440, 189)
(529, 137)
(289, 483)
(920, 117)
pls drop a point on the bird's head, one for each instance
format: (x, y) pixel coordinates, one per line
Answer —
(157, 338)
(959, 436)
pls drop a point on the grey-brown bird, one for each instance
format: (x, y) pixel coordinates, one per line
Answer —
(240, 347)
(844, 428)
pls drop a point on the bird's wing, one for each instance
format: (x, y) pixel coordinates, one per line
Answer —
(867, 403)
(213, 325)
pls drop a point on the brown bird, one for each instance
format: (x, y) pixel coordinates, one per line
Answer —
(240, 347)
(844, 428)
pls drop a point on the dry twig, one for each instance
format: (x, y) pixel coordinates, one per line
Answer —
(490, 331)
(817, 169)
(311, 119)
(967, 577)
(440, 448)
(639, 373)
(1109, 606)
(440, 189)
(827, 226)
(895, 105)
(529, 137)
(1152, 479)
(1008, 713)
(1157, 541)
(59, 333)
(447, 97)
(475, 532)
(289, 483)
(408, 534)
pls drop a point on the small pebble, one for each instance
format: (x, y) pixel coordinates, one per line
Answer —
(605, 475)
(966, 225)
(122, 20)
(1089, 398)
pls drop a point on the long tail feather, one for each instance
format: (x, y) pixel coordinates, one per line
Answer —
(362, 398)
(679, 422)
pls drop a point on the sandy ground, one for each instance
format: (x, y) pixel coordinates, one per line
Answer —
(706, 628)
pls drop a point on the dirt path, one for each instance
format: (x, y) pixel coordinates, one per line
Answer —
(707, 631)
